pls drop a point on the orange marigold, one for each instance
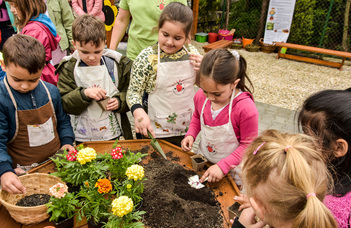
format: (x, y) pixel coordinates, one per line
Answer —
(104, 185)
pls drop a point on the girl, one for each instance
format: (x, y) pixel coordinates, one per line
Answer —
(326, 115)
(286, 180)
(31, 20)
(164, 73)
(224, 112)
(91, 7)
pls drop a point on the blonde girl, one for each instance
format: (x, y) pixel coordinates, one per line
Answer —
(225, 113)
(162, 79)
(286, 180)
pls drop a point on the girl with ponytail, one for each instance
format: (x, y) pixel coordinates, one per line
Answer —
(286, 180)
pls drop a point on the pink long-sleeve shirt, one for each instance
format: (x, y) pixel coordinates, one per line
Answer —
(244, 119)
(341, 208)
(94, 7)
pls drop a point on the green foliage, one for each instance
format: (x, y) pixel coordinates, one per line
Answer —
(208, 20)
(131, 188)
(128, 221)
(64, 207)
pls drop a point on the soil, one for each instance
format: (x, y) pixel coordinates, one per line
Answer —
(33, 200)
(169, 201)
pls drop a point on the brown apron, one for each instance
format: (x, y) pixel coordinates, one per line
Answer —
(36, 137)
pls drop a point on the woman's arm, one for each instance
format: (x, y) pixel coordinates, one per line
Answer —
(120, 27)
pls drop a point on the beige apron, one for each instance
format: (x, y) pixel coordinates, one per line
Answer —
(95, 124)
(36, 137)
(218, 142)
(170, 105)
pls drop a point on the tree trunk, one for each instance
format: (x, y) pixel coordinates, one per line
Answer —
(262, 20)
(227, 14)
(346, 26)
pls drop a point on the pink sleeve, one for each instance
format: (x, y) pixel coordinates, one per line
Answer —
(97, 9)
(76, 8)
(195, 124)
(245, 121)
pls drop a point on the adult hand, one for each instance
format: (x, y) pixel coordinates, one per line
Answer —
(187, 143)
(12, 184)
(95, 93)
(113, 104)
(196, 60)
(68, 147)
(214, 174)
(142, 122)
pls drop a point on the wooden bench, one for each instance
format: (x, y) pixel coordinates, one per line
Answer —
(342, 54)
(217, 45)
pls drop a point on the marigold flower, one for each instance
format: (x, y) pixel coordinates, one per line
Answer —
(104, 185)
(58, 190)
(86, 155)
(122, 206)
(135, 172)
(87, 184)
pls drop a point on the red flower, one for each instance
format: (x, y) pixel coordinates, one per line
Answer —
(116, 155)
(72, 155)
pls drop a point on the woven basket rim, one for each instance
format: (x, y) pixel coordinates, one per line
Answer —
(265, 44)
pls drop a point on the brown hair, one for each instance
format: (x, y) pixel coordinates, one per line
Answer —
(280, 175)
(24, 51)
(177, 12)
(87, 28)
(224, 68)
(28, 9)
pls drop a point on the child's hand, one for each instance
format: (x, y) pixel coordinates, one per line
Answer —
(214, 174)
(68, 147)
(142, 122)
(195, 60)
(113, 104)
(187, 143)
(95, 93)
(11, 183)
(245, 203)
(248, 220)
(19, 171)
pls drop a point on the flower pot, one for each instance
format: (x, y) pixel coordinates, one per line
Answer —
(233, 210)
(225, 34)
(201, 37)
(247, 41)
(91, 224)
(65, 223)
(252, 47)
(212, 37)
(198, 162)
(236, 45)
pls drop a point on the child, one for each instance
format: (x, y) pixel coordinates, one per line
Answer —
(164, 73)
(326, 115)
(31, 20)
(224, 112)
(33, 124)
(286, 180)
(89, 75)
(91, 7)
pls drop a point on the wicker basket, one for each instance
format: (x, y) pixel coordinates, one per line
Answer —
(267, 48)
(252, 47)
(36, 183)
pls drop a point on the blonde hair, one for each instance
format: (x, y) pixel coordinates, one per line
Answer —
(282, 172)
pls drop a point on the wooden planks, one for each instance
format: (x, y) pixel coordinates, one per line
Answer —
(217, 45)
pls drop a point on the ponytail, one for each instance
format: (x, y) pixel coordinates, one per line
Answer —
(242, 75)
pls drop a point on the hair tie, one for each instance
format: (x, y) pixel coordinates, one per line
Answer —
(255, 152)
(235, 54)
(286, 148)
(310, 194)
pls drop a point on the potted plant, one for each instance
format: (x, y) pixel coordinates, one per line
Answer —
(62, 206)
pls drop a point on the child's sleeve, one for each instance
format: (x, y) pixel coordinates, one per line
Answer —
(247, 120)
(195, 124)
(124, 67)
(140, 75)
(67, 20)
(97, 9)
(77, 8)
(73, 98)
(5, 159)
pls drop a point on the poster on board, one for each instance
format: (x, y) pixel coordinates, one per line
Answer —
(278, 23)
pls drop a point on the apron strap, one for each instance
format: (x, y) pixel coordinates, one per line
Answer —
(15, 104)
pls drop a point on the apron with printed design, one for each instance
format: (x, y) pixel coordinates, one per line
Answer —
(170, 105)
(36, 137)
(94, 123)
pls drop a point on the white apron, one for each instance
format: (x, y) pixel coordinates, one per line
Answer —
(170, 105)
(218, 142)
(94, 124)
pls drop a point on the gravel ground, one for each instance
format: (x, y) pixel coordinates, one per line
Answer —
(287, 83)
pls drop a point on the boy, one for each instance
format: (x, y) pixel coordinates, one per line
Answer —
(93, 73)
(33, 125)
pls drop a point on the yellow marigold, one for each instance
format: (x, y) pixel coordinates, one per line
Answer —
(104, 185)
(86, 155)
(135, 172)
(122, 206)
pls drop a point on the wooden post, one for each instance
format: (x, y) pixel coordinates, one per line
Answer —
(196, 15)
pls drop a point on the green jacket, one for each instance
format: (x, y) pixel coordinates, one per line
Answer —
(73, 98)
(61, 15)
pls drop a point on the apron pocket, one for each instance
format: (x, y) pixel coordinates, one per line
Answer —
(41, 134)
(175, 124)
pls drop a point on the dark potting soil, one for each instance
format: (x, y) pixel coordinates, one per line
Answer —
(33, 200)
(169, 201)
(199, 160)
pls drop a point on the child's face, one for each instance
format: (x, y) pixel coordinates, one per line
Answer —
(15, 12)
(20, 79)
(217, 93)
(171, 37)
(89, 53)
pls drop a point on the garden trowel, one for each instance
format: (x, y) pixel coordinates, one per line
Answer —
(156, 145)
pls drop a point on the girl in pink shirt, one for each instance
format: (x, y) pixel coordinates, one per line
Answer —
(224, 112)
